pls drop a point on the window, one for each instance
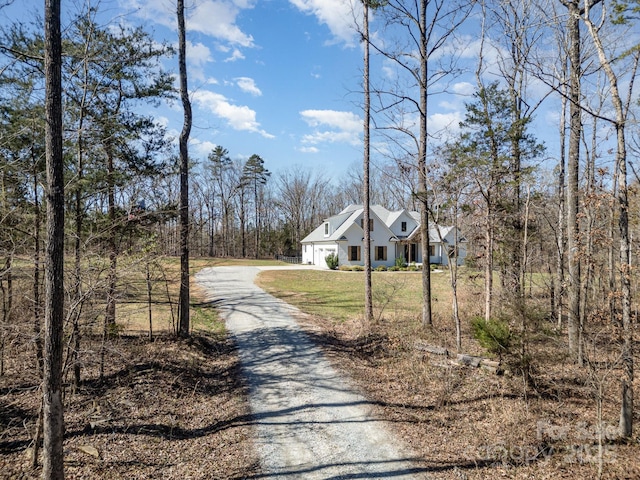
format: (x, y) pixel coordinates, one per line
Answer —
(432, 250)
(403, 226)
(354, 253)
(381, 253)
(326, 229)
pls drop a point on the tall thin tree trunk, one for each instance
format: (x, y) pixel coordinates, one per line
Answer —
(573, 225)
(368, 296)
(626, 353)
(243, 227)
(37, 307)
(79, 217)
(149, 300)
(54, 267)
(110, 309)
(626, 410)
(560, 242)
(257, 216)
(78, 259)
(488, 265)
(183, 315)
(422, 174)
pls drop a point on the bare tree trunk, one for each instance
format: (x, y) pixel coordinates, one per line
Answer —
(79, 217)
(626, 353)
(368, 297)
(626, 411)
(560, 242)
(243, 224)
(427, 318)
(37, 310)
(488, 266)
(110, 309)
(149, 287)
(7, 301)
(78, 257)
(573, 225)
(183, 310)
(36, 439)
(54, 285)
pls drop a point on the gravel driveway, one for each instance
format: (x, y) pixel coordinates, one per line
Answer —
(309, 422)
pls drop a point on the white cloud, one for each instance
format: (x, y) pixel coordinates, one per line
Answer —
(463, 88)
(236, 55)
(337, 15)
(216, 18)
(201, 148)
(239, 117)
(444, 124)
(332, 126)
(198, 55)
(308, 149)
(248, 85)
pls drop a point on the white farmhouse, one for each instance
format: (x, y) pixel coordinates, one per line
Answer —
(393, 235)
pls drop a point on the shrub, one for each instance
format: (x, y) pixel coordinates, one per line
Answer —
(400, 262)
(357, 268)
(494, 335)
(381, 268)
(412, 268)
(332, 261)
(344, 268)
(433, 267)
(395, 268)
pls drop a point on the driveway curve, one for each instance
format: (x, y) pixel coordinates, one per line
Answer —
(309, 422)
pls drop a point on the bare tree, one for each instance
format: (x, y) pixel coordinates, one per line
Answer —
(619, 122)
(54, 262)
(573, 167)
(183, 322)
(430, 25)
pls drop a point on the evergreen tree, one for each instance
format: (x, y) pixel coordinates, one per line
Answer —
(255, 176)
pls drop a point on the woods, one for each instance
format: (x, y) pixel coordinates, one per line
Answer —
(537, 165)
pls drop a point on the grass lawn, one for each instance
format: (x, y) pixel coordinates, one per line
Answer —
(340, 295)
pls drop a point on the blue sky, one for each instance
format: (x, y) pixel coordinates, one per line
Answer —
(277, 78)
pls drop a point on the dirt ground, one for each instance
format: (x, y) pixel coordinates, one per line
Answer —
(167, 409)
(468, 423)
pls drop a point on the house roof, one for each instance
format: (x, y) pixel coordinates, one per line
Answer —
(433, 234)
(340, 223)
